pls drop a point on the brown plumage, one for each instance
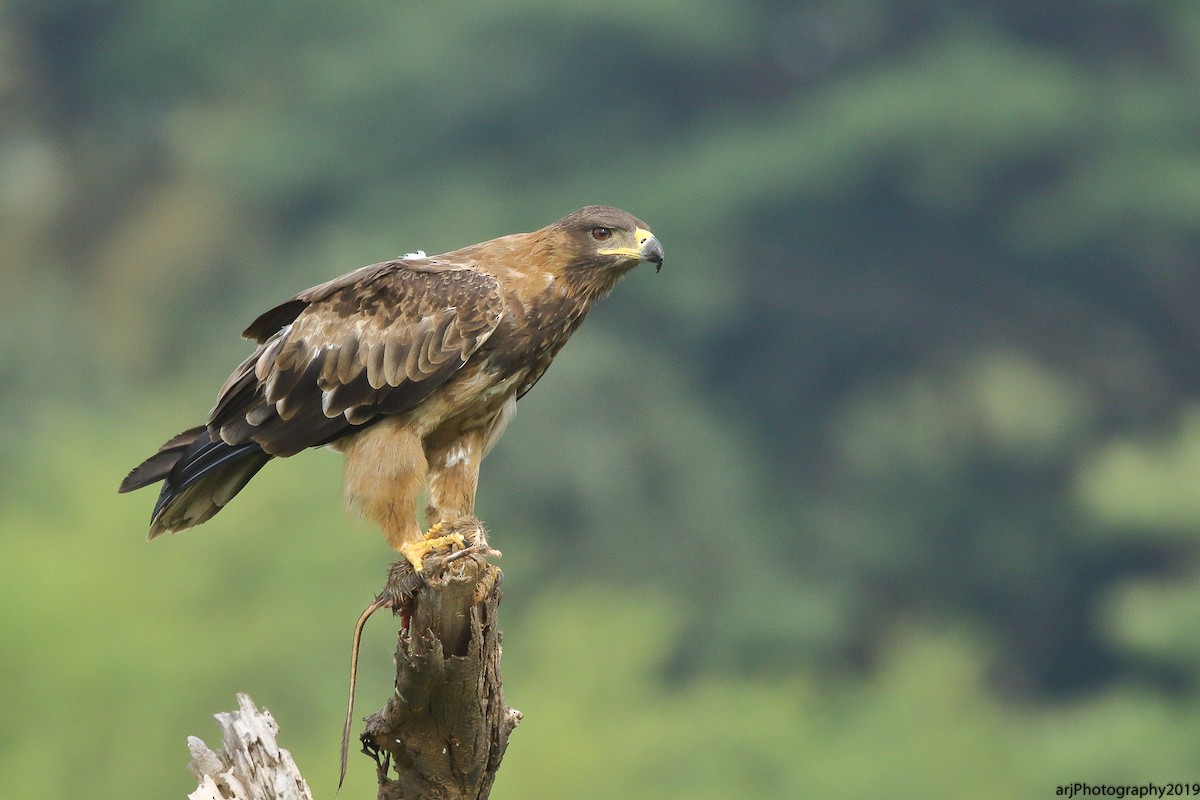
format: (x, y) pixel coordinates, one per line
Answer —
(411, 368)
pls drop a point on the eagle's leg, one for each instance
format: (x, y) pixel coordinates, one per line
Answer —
(453, 479)
(453, 475)
(386, 470)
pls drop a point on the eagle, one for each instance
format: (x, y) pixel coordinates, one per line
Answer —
(411, 368)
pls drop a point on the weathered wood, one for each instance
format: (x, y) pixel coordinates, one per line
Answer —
(251, 765)
(444, 731)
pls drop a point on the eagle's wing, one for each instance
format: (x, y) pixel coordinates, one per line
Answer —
(375, 341)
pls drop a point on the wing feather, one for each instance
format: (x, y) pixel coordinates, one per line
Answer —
(348, 362)
(377, 341)
(395, 349)
(375, 373)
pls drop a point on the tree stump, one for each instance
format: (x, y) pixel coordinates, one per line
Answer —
(444, 731)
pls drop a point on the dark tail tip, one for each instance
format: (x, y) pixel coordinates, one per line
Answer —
(158, 466)
(199, 475)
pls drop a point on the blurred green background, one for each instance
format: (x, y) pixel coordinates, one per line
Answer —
(887, 485)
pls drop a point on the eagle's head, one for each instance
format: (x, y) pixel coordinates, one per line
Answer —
(606, 239)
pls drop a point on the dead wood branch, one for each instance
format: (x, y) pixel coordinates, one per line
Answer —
(251, 765)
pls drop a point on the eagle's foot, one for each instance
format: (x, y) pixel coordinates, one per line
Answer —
(471, 528)
(416, 552)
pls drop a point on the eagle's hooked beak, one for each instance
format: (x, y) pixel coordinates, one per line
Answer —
(648, 249)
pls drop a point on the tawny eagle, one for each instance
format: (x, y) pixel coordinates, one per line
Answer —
(411, 368)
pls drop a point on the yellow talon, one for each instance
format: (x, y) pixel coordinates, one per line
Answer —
(415, 552)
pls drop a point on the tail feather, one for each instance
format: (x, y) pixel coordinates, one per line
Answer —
(158, 466)
(200, 476)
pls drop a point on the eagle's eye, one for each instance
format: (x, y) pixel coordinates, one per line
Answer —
(601, 234)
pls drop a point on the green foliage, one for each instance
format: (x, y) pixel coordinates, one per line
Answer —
(1149, 484)
(885, 485)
